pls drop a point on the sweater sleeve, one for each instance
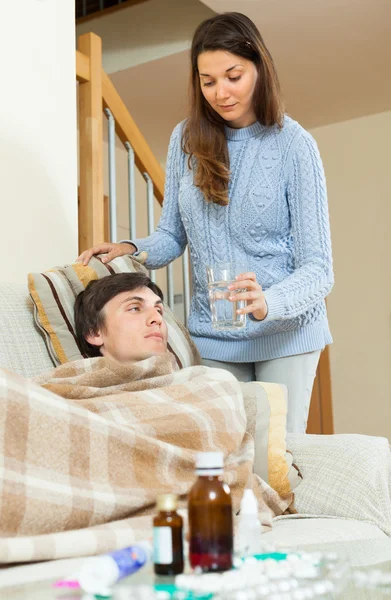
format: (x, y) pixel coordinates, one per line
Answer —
(313, 276)
(169, 240)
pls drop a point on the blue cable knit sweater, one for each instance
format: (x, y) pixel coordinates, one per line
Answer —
(276, 221)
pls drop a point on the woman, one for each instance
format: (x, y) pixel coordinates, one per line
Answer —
(245, 182)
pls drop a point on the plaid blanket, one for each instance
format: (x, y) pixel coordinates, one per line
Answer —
(90, 444)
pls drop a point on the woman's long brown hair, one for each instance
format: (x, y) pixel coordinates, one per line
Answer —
(203, 135)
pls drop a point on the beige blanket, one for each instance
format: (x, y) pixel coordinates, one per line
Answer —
(95, 442)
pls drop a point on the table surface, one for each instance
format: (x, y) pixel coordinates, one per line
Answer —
(44, 590)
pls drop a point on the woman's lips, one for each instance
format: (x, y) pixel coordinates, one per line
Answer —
(227, 107)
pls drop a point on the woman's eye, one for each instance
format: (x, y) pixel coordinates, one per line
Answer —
(235, 78)
(208, 83)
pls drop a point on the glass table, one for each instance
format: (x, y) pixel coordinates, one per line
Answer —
(44, 589)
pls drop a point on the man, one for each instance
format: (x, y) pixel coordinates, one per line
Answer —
(121, 317)
(96, 440)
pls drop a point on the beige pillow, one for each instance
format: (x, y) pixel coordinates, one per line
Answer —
(266, 408)
(54, 293)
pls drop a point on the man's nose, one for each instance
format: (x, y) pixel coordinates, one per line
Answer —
(155, 316)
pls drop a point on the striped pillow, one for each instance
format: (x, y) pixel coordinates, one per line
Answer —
(54, 293)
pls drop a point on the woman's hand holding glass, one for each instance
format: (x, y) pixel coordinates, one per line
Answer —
(253, 295)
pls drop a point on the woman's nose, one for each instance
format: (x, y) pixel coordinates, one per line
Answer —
(221, 91)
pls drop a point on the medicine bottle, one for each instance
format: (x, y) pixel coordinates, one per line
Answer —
(167, 537)
(210, 516)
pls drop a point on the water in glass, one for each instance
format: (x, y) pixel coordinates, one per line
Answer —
(224, 315)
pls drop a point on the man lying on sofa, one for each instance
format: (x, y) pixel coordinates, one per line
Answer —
(98, 438)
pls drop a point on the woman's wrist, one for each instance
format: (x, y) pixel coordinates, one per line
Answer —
(126, 244)
(260, 314)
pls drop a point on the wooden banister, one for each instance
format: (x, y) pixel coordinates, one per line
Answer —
(91, 209)
(96, 92)
(82, 67)
(128, 131)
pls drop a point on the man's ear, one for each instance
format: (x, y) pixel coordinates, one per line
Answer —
(95, 339)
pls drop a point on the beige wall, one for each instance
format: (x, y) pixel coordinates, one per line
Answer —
(38, 226)
(356, 155)
(146, 31)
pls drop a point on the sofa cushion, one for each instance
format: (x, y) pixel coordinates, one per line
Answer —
(357, 542)
(22, 348)
(344, 475)
(54, 293)
(266, 408)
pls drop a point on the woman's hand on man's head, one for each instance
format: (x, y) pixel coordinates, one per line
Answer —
(110, 249)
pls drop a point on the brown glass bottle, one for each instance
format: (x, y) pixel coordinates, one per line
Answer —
(167, 537)
(210, 516)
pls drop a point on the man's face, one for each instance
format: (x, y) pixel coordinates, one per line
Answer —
(134, 327)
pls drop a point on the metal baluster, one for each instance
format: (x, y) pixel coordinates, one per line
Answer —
(112, 176)
(84, 8)
(170, 286)
(186, 284)
(101, 4)
(131, 191)
(151, 214)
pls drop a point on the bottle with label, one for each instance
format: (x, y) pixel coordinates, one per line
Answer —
(167, 537)
(210, 516)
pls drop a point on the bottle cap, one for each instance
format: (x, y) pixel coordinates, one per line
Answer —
(167, 502)
(209, 463)
(249, 503)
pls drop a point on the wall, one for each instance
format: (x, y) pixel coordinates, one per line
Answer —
(147, 31)
(38, 228)
(356, 157)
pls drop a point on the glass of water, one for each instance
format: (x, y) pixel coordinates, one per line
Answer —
(220, 276)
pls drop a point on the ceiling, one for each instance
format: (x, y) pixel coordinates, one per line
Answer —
(333, 58)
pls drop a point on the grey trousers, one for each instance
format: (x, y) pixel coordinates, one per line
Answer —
(296, 372)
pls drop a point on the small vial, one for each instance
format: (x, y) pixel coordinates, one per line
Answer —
(249, 535)
(167, 537)
(210, 516)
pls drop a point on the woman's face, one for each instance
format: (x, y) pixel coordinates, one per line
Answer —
(227, 82)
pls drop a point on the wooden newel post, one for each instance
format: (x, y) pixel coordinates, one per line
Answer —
(91, 202)
(320, 419)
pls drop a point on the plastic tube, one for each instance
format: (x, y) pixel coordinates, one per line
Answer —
(99, 573)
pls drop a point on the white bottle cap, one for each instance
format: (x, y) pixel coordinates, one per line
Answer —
(249, 503)
(209, 463)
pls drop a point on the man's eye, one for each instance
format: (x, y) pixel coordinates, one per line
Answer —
(133, 308)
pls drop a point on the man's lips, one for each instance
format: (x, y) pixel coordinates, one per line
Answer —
(155, 334)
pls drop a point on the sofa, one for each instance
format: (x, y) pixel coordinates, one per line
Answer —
(343, 501)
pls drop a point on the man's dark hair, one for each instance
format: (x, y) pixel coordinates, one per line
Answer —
(89, 305)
